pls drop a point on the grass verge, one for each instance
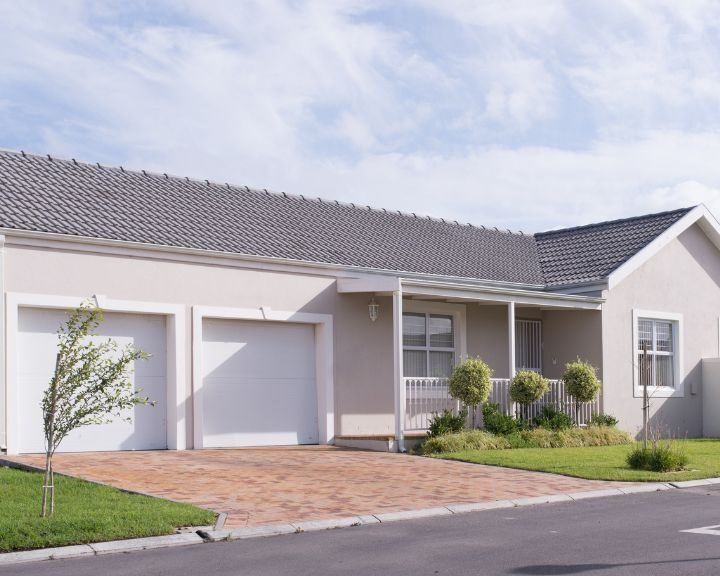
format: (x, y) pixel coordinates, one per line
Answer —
(598, 462)
(84, 512)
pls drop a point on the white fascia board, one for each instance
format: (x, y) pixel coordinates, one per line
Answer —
(368, 284)
(490, 294)
(700, 215)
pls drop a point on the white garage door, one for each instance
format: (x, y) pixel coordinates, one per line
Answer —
(258, 384)
(37, 349)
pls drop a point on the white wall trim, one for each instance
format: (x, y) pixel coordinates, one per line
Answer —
(700, 215)
(660, 391)
(175, 352)
(398, 380)
(323, 360)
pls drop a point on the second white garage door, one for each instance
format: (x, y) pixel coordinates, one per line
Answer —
(259, 386)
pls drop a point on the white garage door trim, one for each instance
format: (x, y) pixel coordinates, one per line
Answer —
(323, 360)
(175, 330)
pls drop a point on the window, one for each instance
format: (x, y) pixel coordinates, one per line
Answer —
(657, 337)
(428, 345)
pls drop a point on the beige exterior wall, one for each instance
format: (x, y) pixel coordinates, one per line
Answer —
(68, 273)
(487, 336)
(683, 278)
(568, 334)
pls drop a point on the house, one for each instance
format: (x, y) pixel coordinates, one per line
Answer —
(275, 319)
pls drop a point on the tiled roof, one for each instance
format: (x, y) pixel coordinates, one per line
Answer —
(590, 253)
(67, 197)
(45, 194)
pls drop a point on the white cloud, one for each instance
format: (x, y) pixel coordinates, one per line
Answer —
(519, 114)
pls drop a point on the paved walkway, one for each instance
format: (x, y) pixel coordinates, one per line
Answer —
(258, 486)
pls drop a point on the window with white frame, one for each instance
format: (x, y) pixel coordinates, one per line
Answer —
(659, 338)
(428, 345)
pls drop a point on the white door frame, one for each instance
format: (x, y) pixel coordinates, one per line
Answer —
(323, 360)
(175, 352)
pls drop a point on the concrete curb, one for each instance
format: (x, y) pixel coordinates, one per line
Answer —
(201, 536)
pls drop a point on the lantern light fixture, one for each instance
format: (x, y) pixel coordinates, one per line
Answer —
(373, 309)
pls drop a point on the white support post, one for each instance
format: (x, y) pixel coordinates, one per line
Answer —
(398, 365)
(3, 364)
(511, 347)
(511, 339)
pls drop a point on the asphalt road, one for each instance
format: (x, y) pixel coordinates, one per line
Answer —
(636, 534)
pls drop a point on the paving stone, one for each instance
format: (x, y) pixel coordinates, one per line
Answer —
(412, 514)
(146, 543)
(532, 500)
(476, 506)
(308, 483)
(259, 531)
(330, 523)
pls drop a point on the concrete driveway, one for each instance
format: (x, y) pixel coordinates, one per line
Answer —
(256, 486)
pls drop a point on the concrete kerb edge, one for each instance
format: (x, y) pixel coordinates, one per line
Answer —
(201, 536)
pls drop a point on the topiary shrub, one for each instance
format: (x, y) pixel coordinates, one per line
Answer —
(528, 387)
(496, 422)
(603, 420)
(551, 418)
(470, 383)
(660, 457)
(581, 382)
(446, 423)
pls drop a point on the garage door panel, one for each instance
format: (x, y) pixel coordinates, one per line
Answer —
(37, 349)
(259, 384)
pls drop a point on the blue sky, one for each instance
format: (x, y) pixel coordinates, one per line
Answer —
(527, 115)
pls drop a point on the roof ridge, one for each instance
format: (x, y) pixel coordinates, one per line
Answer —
(615, 221)
(226, 185)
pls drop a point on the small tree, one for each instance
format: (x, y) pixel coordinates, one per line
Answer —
(470, 383)
(91, 385)
(528, 387)
(581, 382)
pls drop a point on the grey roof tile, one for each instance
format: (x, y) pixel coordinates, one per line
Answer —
(67, 197)
(46, 194)
(590, 253)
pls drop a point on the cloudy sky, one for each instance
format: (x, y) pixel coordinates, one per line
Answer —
(527, 115)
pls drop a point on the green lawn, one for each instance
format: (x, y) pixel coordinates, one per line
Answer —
(597, 463)
(84, 512)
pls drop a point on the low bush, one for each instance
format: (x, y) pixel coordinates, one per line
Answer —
(536, 438)
(496, 422)
(447, 423)
(603, 420)
(461, 441)
(659, 457)
(551, 418)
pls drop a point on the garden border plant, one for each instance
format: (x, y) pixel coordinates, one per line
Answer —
(470, 383)
(527, 387)
(582, 383)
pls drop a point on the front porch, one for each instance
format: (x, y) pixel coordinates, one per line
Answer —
(437, 325)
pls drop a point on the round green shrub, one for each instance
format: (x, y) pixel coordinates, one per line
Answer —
(447, 423)
(603, 420)
(665, 457)
(528, 386)
(470, 382)
(581, 381)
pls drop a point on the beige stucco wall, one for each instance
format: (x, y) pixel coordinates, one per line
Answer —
(487, 336)
(364, 367)
(68, 273)
(683, 278)
(569, 334)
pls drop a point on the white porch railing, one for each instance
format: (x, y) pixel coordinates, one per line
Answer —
(425, 397)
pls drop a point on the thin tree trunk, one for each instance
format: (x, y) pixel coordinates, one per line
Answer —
(46, 483)
(49, 484)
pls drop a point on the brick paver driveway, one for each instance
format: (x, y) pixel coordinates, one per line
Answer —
(272, 485)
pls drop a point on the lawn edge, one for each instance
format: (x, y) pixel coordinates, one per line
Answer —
(268, 530)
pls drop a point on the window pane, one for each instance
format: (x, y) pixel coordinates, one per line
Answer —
(645, 337)
(664, 371)
(441, 332)
(645, 369)
(413, 329)
(414, 363)
(663, 336)
(441, 364)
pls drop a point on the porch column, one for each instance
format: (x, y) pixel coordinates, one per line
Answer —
(398, 365)
(511, 338)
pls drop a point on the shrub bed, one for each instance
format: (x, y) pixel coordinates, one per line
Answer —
(536, 438)
(660, 457)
